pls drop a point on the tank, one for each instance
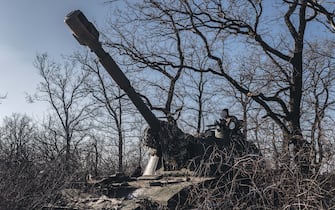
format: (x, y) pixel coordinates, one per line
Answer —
(178, 161)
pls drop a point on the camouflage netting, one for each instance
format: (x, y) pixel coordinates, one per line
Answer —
(171, 144)
(180, 150)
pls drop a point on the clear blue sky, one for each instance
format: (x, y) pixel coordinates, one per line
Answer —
(28, 27)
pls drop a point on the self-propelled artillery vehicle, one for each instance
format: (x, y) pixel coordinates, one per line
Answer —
(178, 160)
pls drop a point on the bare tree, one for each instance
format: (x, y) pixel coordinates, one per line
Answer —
(62, 88)
(17, 136)
(93, 154)
(110, 98)
(324, 8)
(158, 59)
(280, 36)
(250, 78)
(319, 96)
(198, 97)
(28, 180)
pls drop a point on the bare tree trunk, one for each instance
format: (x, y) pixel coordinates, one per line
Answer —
(68, 155)
(200, 101)
(275, 149)
(285, 151)
(120, 134)
(96, 154)
(120, 148)
(244, 103)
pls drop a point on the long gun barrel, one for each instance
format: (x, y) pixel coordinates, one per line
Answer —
(86, 34)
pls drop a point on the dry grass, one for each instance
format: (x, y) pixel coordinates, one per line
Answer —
(245, 183)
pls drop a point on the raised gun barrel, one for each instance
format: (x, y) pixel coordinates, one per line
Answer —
(86, 34)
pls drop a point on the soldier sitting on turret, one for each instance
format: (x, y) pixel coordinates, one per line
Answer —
(225, 126)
